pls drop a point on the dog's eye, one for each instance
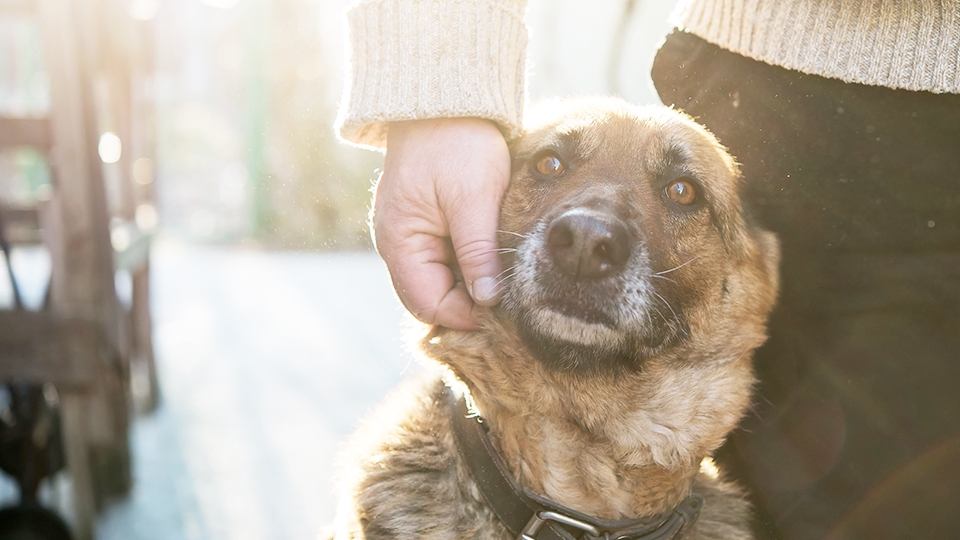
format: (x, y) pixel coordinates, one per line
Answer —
(550, 165)
(682, 191)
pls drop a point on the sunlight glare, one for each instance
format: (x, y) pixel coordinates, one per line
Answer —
(109, 147)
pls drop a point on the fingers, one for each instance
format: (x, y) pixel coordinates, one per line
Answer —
(470, 202)
(420, 268)
(441, 186)
(473, 234)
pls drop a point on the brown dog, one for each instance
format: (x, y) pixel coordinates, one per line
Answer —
(618, 361)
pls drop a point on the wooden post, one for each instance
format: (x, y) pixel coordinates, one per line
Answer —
(84, 342)
(74, 409)
(82, 282)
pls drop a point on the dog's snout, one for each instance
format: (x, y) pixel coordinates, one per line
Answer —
(588, 246)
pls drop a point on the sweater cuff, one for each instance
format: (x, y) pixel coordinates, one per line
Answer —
(432, 59)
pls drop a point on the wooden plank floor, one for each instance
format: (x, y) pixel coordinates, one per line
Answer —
(267, 361)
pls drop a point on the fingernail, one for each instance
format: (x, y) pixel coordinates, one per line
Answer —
(484, 290)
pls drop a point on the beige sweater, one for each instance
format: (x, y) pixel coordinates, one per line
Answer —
(414, 59)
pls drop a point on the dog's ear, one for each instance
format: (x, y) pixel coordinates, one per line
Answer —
(766, 256)
(770, 252)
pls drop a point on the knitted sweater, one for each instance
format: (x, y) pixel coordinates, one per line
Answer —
(415, 59)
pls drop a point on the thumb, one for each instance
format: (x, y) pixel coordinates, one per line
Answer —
(474, 237)
(479, 261)
(470, 200)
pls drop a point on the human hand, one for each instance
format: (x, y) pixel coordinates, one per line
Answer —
(437, 205)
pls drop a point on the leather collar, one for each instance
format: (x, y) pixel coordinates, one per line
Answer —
(529, 516)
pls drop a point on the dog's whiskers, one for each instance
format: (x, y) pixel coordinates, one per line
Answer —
(676, 318)
(524, 236)
(660, 314)
(500, 250)
(649, 317)
(504, 279)
(676, 267)
(508, 269)
(511, 269)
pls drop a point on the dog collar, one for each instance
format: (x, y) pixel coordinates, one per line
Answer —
(529, 516)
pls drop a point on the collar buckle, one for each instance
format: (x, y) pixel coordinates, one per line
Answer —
(540, 518)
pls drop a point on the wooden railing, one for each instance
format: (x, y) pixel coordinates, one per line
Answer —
(84, 340)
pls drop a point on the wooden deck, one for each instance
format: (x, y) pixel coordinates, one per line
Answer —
(267, 361)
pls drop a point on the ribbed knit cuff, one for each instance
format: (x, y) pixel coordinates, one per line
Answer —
(412, 60)
(912, 45)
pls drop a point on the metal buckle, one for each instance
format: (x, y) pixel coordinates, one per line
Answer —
(538, 519)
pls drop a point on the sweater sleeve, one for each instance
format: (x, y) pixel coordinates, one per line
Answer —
(905, 45)
(418, 59)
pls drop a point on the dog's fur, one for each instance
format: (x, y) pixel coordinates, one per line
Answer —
(603, 392)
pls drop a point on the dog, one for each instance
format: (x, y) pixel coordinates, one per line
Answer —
(616, 364)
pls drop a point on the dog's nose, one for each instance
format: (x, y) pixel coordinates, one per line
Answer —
(588, 246)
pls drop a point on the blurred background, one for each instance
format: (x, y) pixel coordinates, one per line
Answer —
(245, 323)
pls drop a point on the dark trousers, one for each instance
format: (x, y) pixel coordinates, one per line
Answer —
(855, 432)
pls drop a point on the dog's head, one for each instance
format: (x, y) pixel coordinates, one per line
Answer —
(625, 239)
(635, 293)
